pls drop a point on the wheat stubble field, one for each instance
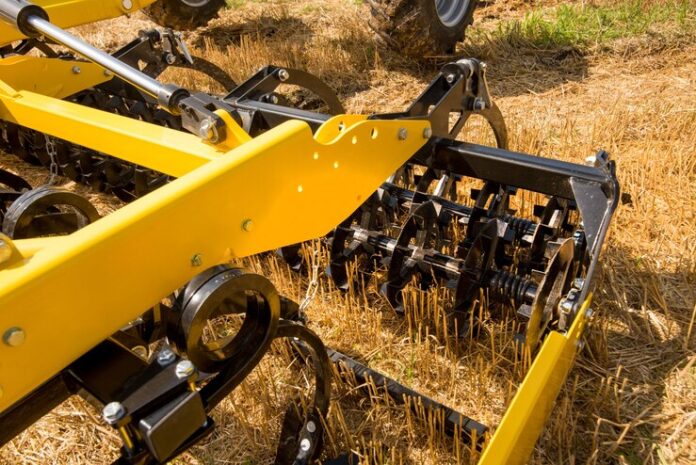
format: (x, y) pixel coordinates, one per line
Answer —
(570, 79)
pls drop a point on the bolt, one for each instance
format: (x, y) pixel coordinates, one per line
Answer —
(479, 104)
(450, 78)
(165, 356)
(170, 58)
(5, 251)
(567, 305)
(427, 133)
(578, 283)
(591, 160)
(107, 73)
(305, 444)
(207, 129)
(283, 75)
(127, 4)
(113, 412)
(184, 369)
(311, 426)
(273, 99)
(76, 70)
(247, 225)
(403, 133)
(588, 313)
(14, 337)
(197, 260)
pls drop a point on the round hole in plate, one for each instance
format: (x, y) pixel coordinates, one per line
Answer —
(335, 165)
(374, 133)
(355, 140)
(300, 188)
(316, 156)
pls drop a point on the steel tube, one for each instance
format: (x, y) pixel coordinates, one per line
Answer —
(163, 93)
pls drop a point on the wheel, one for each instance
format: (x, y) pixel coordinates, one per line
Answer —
(184, 14)
(47, 211)
(422, 28)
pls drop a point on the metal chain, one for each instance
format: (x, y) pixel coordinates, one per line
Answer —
(313, 286)
(52, 152)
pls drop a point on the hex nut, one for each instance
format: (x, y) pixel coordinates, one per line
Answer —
(184, 369)
(165, 356)
(113, 412)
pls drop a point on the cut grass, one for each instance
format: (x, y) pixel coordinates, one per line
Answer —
(586, 25)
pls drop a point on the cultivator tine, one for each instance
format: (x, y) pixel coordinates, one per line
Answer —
(518, 232)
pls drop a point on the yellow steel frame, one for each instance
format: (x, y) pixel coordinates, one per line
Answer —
(280, 188)
(50, 77)
(524, 419)
(69, 13)
(283, 187)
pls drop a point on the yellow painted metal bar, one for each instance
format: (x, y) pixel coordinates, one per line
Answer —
(282, 187)
(52, 77)
(162, 149)
(69, 13)
(515, 437)
(28, 247)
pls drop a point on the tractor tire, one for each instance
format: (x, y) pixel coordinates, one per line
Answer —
(184, 15)
(421, 28)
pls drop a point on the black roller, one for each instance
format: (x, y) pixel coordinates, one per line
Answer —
(47, 211)
(218, 292)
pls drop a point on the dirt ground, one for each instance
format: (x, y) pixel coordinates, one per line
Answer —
(631, 397)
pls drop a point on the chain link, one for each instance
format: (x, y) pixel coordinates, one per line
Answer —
(313, 285)
(52, 152)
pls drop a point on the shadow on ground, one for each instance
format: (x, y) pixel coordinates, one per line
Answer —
(635, 344)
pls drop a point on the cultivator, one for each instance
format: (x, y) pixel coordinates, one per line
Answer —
(214, 178)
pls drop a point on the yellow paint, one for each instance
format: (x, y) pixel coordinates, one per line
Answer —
(162, 149)
(515, 437)
(69, 13)
(235, 134)
(73, 292)
(52, 77)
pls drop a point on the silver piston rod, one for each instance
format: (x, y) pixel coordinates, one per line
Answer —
(32, 21)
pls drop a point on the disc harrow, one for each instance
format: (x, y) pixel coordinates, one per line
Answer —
(490, 249)
(154, 360)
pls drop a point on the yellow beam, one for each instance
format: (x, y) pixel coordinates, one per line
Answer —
(125, 138)
(283, 187)
(515, 437)
(52, 77)
(69, 13)
(29, 247)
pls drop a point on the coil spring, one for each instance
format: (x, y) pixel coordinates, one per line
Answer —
(521, 226)
(509, 286)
